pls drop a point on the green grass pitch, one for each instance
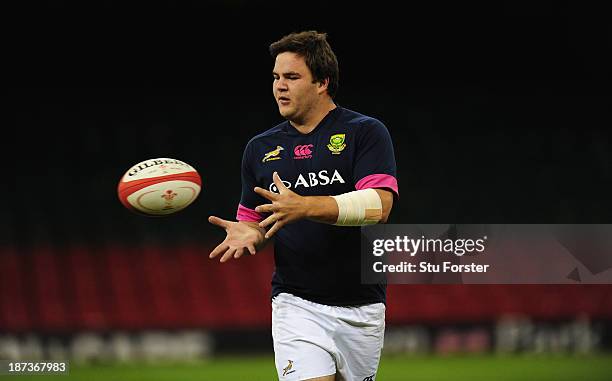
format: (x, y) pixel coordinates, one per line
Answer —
(396, 368)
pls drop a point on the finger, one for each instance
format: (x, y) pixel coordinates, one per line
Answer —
(228, 254)
(279, 183)
(266, 208)
(218, 250)
(239, 253)
(268, 221)
(279, 224)
(252, 249)
(267, 194)
(218, 221)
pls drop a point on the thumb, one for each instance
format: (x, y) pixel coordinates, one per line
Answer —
(218, 221)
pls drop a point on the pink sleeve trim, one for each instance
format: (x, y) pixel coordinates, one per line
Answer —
(378, 181)
(248, 215)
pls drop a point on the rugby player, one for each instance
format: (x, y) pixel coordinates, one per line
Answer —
(311, 182)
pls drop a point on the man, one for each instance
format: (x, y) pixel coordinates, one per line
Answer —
(311, 181)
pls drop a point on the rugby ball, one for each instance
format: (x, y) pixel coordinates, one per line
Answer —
(158, 187)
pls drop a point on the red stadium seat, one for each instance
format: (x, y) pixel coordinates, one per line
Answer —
(133, 288)
(14, 298)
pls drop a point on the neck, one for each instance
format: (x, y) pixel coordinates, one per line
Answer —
(314, 118)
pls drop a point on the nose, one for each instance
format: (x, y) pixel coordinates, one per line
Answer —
(280, 85)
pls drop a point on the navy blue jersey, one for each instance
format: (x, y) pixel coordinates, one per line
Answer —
(346, 151)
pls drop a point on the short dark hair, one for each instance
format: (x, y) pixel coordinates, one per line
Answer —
(317, 53)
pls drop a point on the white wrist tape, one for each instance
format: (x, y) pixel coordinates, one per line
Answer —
(358, 208)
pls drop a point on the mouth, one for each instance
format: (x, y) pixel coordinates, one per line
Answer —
(283, 101)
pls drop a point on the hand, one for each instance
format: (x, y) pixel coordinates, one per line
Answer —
(240, 236)
(286, 206)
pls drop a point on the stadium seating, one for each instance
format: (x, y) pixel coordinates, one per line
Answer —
(80, 287)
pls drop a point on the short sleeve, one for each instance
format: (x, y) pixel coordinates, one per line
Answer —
(374, 158)
(249, 200)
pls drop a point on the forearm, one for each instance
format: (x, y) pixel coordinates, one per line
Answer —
(325, 208)
(357, 208)
(321, 209)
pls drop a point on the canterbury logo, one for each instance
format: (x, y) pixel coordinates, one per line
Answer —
(303, 151)
(287, 370)
(369, 378)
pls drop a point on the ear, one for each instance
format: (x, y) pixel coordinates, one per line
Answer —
(323, 86)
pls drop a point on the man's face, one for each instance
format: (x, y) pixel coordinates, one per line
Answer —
(293, 89)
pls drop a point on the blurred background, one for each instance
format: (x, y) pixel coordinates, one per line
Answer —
(499, 113)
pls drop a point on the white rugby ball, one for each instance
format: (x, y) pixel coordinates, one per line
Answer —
(158, 187)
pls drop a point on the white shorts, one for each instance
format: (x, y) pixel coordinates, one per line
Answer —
(314, 340)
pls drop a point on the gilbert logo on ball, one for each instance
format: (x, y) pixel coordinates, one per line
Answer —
(159, 187)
